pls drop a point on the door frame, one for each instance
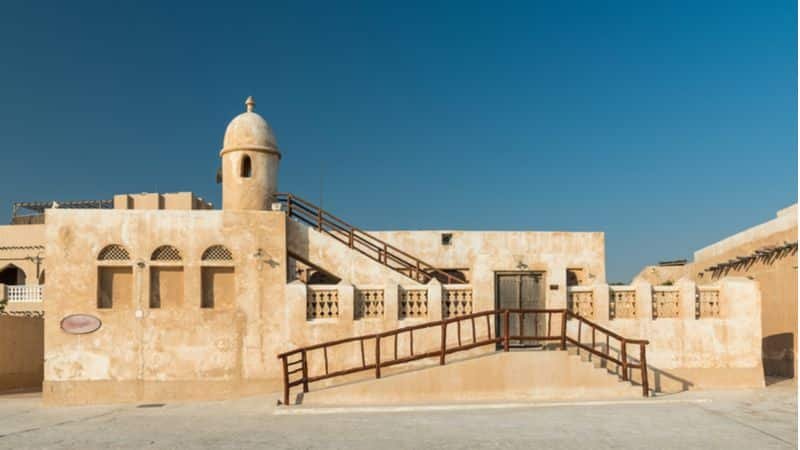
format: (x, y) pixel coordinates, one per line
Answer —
(498, 321)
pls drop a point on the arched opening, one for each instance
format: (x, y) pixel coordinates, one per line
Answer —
(166, 277)
(12, 275)
(217, 278)
(114, 277)
(246, 169)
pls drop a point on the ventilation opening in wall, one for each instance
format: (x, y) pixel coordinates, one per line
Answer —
(114, 287)
(218, 288)
(246, 170)
(447, 238)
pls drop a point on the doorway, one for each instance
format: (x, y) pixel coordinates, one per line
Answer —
(521, 290)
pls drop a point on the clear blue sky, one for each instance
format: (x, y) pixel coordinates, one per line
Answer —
(666, 126)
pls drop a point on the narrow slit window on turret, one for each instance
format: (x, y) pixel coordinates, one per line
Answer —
(247, 167)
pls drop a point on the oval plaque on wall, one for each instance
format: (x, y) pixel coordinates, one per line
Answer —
(80, 324)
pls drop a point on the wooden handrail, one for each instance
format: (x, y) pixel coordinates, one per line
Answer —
(473, 341)
(324, 221)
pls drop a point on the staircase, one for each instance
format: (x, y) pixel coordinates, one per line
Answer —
(364, 243)
(521, 374)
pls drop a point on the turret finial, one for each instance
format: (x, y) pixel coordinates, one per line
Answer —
(250, 104)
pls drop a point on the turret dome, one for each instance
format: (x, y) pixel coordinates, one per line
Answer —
(249, 131)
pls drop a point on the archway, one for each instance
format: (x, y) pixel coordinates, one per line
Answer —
(12, 275)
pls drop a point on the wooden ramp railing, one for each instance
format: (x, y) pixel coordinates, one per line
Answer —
(363, 242)
(296, 362)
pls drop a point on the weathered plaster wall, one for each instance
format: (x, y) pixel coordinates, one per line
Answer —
(179, 350)
(325, 252)
(249, 193)
(687, 351)
(777, 278)
(485, 253)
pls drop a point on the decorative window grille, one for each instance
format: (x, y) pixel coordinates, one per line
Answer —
(166, 253)
(581, 302)
(414, 303)
(114, 252)
(706, 305)
(322, 304)
(370, 303)
(622, 304)
(457, 302)
(217, 253)
(666, 303)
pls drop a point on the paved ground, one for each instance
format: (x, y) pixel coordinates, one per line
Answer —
(757, 419)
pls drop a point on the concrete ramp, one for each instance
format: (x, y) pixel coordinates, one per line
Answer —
(502, 376)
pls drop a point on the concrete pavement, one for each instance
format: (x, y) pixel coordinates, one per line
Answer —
(750, 419)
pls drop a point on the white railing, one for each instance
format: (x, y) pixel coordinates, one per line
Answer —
(31, 293)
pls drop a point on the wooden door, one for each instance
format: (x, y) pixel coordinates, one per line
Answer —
(521, 290)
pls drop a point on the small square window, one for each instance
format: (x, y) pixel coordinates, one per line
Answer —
(447, 238)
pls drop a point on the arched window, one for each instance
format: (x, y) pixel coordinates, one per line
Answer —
(114, 252)
(246, 169)
(166, 277)
(217, 278)
(166, 253)
(114, 277)
(217, 253)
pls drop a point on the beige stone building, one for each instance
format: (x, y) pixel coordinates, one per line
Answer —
(158, 297)
(766, 253)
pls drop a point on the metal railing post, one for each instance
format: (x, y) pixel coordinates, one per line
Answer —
(564, 330)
